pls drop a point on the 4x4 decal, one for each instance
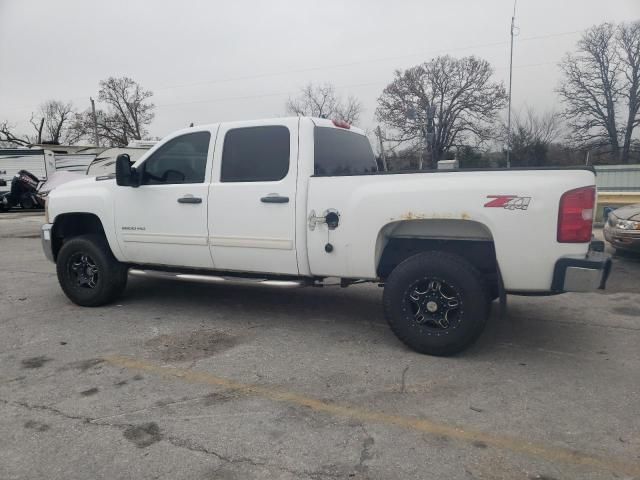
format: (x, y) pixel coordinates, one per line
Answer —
(509, 202)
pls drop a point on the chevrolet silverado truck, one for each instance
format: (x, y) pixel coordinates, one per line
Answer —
(294, 202)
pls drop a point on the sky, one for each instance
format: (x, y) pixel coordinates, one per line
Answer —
(210, 61)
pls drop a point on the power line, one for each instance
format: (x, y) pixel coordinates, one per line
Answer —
(262, 95)
(340, 65)
(338, 87)
(513, 27)
(362, 62)
(276, 94)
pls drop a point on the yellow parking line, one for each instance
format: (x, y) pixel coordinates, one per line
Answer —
(513, 444)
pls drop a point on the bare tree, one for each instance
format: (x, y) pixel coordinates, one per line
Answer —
(603, 72)
(465, 99)
(322, 101)
(544, 128)
(55, 123)
(127, 115)
(8, 137)
(629, 42)
(531, 136)
(591, 90)
(38, 126)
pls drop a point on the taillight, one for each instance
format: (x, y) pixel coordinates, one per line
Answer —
(575, 217)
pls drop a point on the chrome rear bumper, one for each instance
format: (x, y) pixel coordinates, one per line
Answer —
(581, 274)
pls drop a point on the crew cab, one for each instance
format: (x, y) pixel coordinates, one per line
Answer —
(300, 201)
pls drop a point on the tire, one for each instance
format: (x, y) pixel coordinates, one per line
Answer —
(88, 272)
(436, 303)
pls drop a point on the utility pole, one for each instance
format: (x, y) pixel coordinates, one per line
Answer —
(427, 131)
(429, 134)
(95, 122)
(40, 130)
(382, 155)
(513, 21)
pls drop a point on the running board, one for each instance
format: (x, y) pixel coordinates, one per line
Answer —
(191, 277)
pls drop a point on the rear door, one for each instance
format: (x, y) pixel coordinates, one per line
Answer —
(340, 156)
(252, 197)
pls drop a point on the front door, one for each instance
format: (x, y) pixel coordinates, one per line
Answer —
(252, 199)
(164, 220)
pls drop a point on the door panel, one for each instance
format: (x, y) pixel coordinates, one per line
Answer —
(252, 197)
(154, 228)
(166, 223)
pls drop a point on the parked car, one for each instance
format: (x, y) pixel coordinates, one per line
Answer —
(290, 202)
(622, 229)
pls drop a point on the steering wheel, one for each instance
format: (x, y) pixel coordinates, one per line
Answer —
(165, 176)
(174, 175)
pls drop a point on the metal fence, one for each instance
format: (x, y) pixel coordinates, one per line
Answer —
(618, 178)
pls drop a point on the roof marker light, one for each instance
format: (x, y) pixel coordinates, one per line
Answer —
(341, 124)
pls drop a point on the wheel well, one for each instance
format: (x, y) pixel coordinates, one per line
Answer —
(478, 252)
(71, 225)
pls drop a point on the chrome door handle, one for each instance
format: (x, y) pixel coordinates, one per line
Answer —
(274, 198)
(189, 199)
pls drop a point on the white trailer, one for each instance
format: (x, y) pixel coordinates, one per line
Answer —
(39, 162)
(44, 162)
(74, 162)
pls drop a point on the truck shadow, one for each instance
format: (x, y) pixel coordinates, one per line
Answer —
(530, 331)
(533, 327)
(361, 304)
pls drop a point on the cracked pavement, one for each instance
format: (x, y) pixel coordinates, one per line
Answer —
(242, 383)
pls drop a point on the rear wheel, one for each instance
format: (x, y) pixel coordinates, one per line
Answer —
(436, 303)
(88, 272)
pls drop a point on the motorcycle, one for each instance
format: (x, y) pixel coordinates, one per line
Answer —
(23, 192)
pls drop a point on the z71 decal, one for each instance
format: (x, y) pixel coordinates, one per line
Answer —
(509, 202)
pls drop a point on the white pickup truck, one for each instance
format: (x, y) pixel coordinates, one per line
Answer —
(296, 201)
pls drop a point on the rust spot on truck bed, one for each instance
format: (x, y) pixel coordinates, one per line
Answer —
(412, 216)
(434, 216)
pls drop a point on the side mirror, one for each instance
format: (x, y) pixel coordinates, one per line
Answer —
(125, 175)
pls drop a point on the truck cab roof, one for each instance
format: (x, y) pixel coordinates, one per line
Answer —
(318, 122)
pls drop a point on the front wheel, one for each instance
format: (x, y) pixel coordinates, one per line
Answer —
(88, 272)
(436, 303)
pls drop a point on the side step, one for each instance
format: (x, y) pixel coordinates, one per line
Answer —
(190, 277)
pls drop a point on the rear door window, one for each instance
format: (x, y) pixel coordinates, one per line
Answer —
(341, 152)
(255, 154)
